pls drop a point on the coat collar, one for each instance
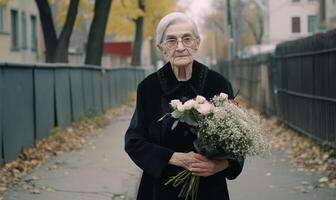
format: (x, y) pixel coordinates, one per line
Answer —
(170, 84)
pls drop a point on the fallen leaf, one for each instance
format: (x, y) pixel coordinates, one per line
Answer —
(48, 189)
(2, 189)
(323, 180)
(35, 191)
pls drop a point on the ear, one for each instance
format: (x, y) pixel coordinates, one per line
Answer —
(159, 47)
(198, 42)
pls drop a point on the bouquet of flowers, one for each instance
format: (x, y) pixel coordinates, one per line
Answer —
(223, 130)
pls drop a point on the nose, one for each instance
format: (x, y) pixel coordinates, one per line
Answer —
(180, 45)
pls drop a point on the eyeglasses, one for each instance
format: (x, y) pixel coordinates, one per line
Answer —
(186, 41)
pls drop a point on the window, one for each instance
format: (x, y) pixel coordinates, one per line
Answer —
(14, 30)
(312, 23)
(296, 25)
(33, 33)
(2, 19)
(24, 30)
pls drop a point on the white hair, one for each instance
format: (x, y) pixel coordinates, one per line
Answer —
(173, 18)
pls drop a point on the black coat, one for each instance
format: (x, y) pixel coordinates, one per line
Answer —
(150, 143)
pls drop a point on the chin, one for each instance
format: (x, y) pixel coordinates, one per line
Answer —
(182, 62)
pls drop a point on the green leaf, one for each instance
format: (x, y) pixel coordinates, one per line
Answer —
(176, 114)
(163, 116)
(174, 124)
(189, 119)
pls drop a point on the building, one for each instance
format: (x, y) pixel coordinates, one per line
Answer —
(327, 14)
(291, 19)
(117, 54)
(20, 32)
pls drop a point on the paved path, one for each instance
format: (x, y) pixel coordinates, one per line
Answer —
(102, 171)
(99, 171)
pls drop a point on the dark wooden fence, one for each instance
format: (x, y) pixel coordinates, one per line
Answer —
(297, 83)
(36, 98)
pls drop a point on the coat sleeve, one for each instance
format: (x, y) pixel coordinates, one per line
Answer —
(235, 166)
(150, 157)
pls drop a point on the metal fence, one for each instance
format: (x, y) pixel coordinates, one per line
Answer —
(306, 80)
(297, 83)
(36, 98)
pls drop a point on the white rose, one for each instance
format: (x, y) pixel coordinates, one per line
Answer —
(174, 103)
(200, 99)
(188, 105)
(205, 108)
(223, 96)
(181, 107)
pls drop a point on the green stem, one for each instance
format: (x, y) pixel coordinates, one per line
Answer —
(177, 177)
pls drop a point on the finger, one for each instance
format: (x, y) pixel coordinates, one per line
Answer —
(199, 169)
(200, 165)
(204, 174)
(200, 157)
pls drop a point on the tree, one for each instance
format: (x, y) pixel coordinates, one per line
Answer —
(96, 37)
(254, 20)
(139, 23)
(125, 15)
(56, 47)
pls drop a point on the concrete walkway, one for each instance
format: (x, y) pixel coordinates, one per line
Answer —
(102, 171)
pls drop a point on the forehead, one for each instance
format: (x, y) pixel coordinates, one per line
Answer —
(179, 29)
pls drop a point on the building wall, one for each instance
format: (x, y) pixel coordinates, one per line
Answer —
(330, 14)
(23, 53)
(280, 18)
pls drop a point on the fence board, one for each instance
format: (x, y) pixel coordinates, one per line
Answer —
(117, 78)
(63, 101)
(1, 115)
(112, 87)
(18, 112)
(105, 92)
(44, 101)
(88, 91)
(77, 94)
(97, 92)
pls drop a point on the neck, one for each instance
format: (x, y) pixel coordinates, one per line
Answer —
(182, 73)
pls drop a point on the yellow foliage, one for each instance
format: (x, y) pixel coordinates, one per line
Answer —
(124, 12)
(3, 2)
(85, 11)
(122, 15)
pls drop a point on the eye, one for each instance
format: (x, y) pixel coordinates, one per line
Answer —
(188, 41)
(171, 42)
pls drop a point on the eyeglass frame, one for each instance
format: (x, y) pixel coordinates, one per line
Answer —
(180, 39)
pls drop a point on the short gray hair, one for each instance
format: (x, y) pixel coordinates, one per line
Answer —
(173, 18)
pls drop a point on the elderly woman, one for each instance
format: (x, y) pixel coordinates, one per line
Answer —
(159, 151)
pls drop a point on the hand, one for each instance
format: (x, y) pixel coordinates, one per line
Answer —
(208, 167)
(185, 160)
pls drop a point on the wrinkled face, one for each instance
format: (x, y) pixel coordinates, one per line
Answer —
(179, 44)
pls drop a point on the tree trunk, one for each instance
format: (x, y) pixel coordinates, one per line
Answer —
(61, 52)
(48, 28)
(95, 42)
(56, 49)
(136, 54)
